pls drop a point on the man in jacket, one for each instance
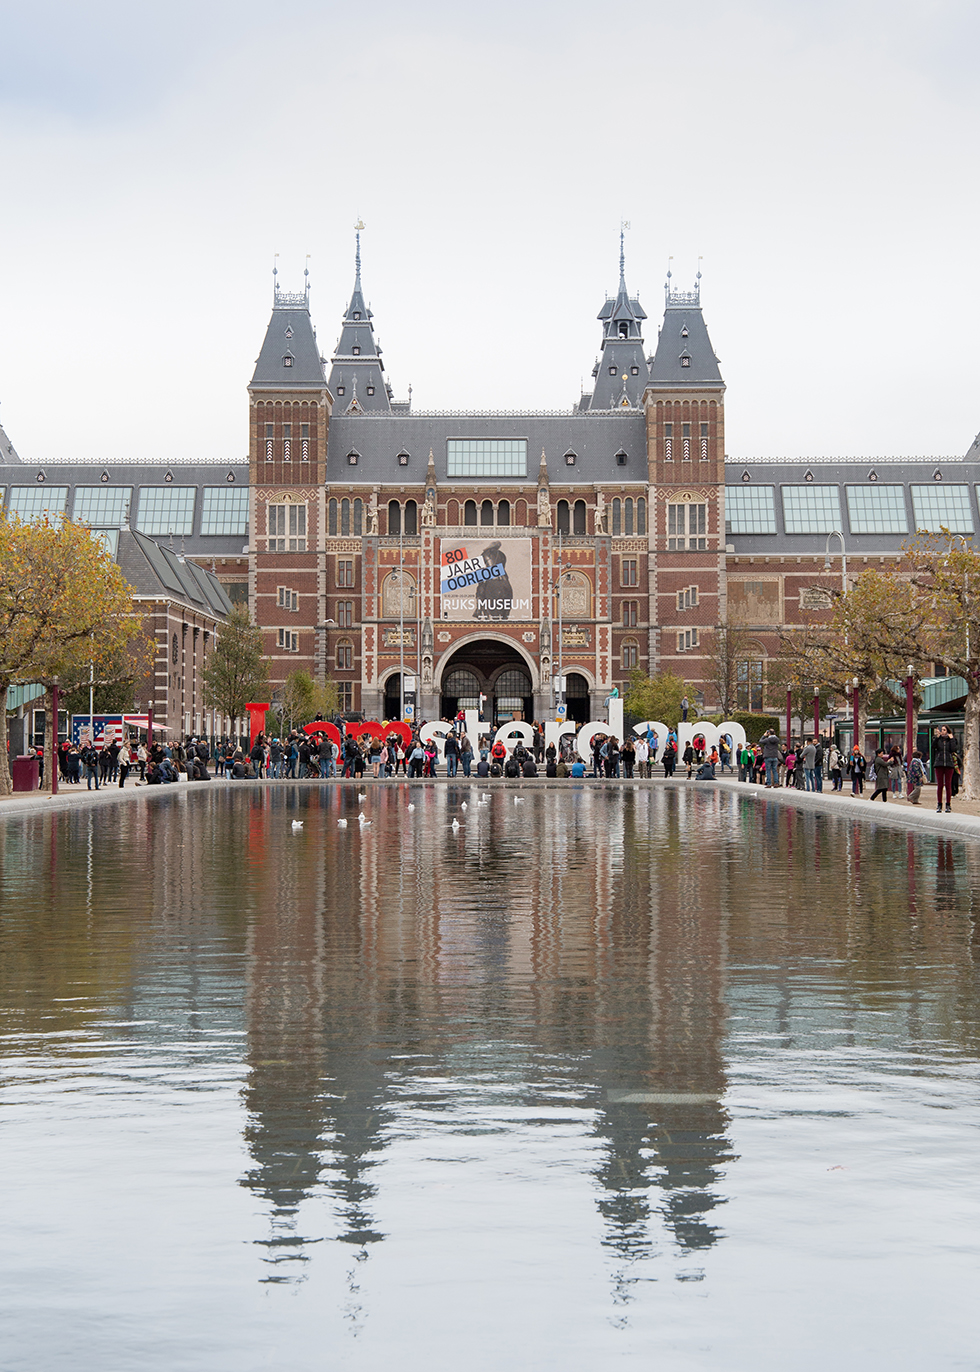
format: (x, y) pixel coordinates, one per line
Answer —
(943, 761)
(770, 757)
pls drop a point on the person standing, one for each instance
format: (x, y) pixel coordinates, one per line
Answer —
(943, 762)
(90, 761)
(641, 756)
(685, 706)
(466, 754)
(770, 757)
(881, 775)
(809, 761)
(857, 767)
(917, 775)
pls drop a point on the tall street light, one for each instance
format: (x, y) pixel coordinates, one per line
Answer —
(855, 705)
(909, 690)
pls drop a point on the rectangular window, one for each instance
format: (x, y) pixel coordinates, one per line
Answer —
(103, 506)
(287, 450)
(345, 572)
(630, 609)
(748, 684)
(687, 598)
(628, 572)
(668, 449)
(287, 528)
(750, 509)
(686, 640)
(288, 640)
(631, 656)
(687, 447)
(487, 457)
(811, 509)
(942, 507)
(345, 697)
(345, 657)
(876, 509)
(33, 502)
(166, 510)
(345, 613)
(686, 430)
(694, 517)
(224, 510)
(270, 433)
(289, 600)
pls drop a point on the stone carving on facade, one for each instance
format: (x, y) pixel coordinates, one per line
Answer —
(544, 508)
(429, 512)
(372, 515)
(600, 513)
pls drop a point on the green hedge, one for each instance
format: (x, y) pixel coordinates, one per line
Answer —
(754, 725)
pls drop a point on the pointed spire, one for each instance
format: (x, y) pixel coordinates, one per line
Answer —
(622, 345)
(543, 470)
(358, 355)
(357, 254)
(622, 256)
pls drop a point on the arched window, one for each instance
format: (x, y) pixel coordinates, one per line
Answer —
(469, 512)
(345, 655)
(411, 518)
(579, 527)
(452, 512)
(512, 683)
(617, 516)
(486, 512)
(358, 518)
(563, 524)
(631, 654)
(345, 518)
(461, 684)
(641, 516)
(332, 519)
(750, 679)
(394, 517)
(628, 515)
(398, 595)
(503, 512)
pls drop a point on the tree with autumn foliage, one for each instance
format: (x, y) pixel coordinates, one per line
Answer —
(873, 632)
(63, 602)
(237, 672)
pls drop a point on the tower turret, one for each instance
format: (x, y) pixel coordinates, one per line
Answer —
(357, 380)
(620, 374)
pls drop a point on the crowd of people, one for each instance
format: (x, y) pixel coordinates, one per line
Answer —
(803, 764)
(808, 763)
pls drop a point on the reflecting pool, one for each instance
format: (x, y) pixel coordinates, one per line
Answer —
(603, 1077)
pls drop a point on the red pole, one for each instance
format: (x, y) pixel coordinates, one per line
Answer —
(909, 740)
(855, 698)
(53, 759)
(149, 727)
(789, 713)
(816, 712)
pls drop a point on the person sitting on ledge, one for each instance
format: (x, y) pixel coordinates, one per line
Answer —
(530, 768)
(512, 768)
(578, 768)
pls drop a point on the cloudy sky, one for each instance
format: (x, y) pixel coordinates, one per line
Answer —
(820, 157)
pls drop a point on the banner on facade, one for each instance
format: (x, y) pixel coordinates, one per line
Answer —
(486, 578)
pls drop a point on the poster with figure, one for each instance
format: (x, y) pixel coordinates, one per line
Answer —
(486, 579)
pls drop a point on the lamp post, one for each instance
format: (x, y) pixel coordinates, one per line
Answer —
(816, 713)
(909, 690)
(855, 706)
(789, 714)
(53, 759)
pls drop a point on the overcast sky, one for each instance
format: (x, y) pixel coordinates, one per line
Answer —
(820, 156)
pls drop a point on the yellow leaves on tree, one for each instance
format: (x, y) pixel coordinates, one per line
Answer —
(63, 602)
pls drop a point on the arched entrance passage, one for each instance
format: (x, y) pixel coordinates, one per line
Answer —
(577, 702)
(494, 668)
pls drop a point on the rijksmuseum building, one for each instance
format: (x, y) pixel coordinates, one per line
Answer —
(485, 553)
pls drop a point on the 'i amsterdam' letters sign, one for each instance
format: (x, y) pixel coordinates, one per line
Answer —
(486, 578)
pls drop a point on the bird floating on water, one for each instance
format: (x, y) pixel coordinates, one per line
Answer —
(463, 806)
(362, 797)
(341, 824)
(455, 824)
(518, 800)
(411, 807)
(297, 824)
(364, 823)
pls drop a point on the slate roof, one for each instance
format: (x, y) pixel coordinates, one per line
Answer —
(357, 380)
(8, 452)
(674, 344)
(290, 335)
(154, 570)
(616, 385)
(594, 438)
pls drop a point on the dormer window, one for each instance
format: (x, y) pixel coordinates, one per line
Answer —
(341, 390)
(352, 457)
(356, 349)
(684, 331)
(370, 390)
(570, 458)
(634, 371)
(357, 314)
(620, 458)
(289, 331)
(685, 359)
(624, 330)
(287, 361)
(403, 459)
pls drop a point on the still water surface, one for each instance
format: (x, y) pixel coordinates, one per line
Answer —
(610, 1077)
